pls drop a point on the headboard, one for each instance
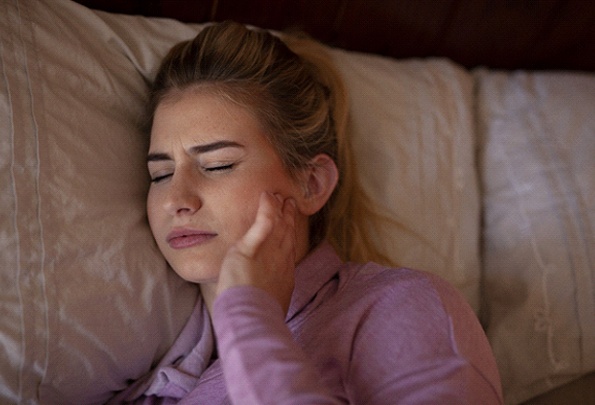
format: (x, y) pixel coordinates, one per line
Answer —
(501, 34)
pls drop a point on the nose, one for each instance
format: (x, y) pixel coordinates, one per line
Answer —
(183, 194)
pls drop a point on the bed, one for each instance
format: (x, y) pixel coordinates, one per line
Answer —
(475, 130)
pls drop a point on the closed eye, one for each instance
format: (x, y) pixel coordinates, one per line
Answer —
(158, 179)
(219, 168)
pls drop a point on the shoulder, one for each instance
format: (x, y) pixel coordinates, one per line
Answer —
(416, 318)
(375, 273)
(402, 286)
(412, 304)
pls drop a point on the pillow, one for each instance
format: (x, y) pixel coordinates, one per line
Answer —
(88, 302)
(414, 143)
(537, 165)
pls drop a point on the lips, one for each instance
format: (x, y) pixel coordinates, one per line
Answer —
(186, 238)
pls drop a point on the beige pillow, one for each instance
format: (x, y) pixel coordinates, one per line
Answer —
(538, 169)
(415, 148)
(87, 301)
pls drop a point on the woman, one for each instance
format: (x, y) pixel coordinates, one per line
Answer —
(251, 197)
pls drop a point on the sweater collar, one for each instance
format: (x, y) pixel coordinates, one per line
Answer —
(313, 272)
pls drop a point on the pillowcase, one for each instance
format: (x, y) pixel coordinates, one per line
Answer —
(414, 146)
(88, 302)
(537, 165)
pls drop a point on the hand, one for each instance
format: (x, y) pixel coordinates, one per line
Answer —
(265, 256)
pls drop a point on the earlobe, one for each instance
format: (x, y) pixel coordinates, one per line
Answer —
(320, 180)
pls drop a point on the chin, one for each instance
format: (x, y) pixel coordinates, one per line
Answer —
(197, 271)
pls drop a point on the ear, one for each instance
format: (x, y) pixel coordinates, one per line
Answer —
(319, 181)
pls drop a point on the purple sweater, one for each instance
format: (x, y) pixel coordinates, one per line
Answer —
(357, 334)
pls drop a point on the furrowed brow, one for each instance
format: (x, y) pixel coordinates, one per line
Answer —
(198, 149)
(156, 157)
(210, 147)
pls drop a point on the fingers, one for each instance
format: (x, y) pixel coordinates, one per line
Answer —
(265, 256)
(260, 229)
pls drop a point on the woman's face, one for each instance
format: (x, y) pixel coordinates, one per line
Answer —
(209, 162)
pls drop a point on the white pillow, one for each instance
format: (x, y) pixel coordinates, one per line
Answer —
(538, 171)
(88, 302)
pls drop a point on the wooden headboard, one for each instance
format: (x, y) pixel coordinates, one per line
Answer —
(505, 34)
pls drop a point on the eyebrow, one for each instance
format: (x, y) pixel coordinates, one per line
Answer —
(196, 150)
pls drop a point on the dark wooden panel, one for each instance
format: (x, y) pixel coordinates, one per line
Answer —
(317, 19)
(499, 34)
(534, 34)
(186, 10)
(569, 41)
(112, 6)
(397, 28)
(509, 34)
(523, 33)
(183, 10)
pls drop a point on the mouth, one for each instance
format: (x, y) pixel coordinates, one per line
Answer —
(186, 238)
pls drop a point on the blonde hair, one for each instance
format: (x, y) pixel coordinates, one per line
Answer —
(293, 88)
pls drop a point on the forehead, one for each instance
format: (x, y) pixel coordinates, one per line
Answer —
(199, 116)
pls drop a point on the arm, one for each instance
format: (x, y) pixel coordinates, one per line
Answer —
(261, 362)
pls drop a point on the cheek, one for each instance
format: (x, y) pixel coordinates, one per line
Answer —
(239, 204)
(157, 218)
(152, 210)
(246, 196)
(240, 212)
